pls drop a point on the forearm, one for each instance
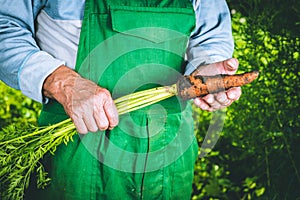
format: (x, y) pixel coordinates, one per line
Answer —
(212, 39)
(22, 64)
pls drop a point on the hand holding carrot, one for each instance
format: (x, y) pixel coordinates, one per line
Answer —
(90, 107)
(212, 102)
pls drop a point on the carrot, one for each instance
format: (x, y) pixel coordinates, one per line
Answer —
(189, 87)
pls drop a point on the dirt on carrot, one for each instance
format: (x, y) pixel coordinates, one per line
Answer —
(189, 87)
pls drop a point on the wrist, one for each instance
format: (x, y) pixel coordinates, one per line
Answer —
(59, 83)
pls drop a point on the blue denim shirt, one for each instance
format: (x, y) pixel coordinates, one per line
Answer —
(36, 37)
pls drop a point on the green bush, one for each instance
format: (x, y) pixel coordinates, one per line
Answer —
(15, 107)
(257, 155)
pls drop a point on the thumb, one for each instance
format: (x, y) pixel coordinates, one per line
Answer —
(230, 65)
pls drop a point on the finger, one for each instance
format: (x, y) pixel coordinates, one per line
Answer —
(101, 118)
(222, 98)
(90, 123)
(230, 66)
(111, 113)
(99, 114)
(109, 109)
(210, 100)
(234, 93)
(199, 102)
(80, 125)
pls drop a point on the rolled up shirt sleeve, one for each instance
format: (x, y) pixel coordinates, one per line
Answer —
(23, 65)
(212, 39)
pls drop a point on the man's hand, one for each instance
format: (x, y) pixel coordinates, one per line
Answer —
(212, 102)
(89, 106)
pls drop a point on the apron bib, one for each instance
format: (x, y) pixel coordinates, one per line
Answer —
(127, 46)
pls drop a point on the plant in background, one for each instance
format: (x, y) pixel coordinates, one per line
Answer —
(257, 153)
(15, 107)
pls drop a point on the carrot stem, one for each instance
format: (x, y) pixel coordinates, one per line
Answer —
(145, 101)
(143, 93)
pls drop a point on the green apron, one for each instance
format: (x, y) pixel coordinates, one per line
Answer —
(127, 46)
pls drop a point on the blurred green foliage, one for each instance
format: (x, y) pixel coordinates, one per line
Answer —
(15, 107)
(279, 17)
(256, 155)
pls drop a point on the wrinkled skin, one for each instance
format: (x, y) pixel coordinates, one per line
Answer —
(212, 102)
(90, 107)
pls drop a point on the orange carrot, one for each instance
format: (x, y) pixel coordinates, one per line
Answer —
(189, 87)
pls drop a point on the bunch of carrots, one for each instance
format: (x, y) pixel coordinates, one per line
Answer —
(21, 148)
